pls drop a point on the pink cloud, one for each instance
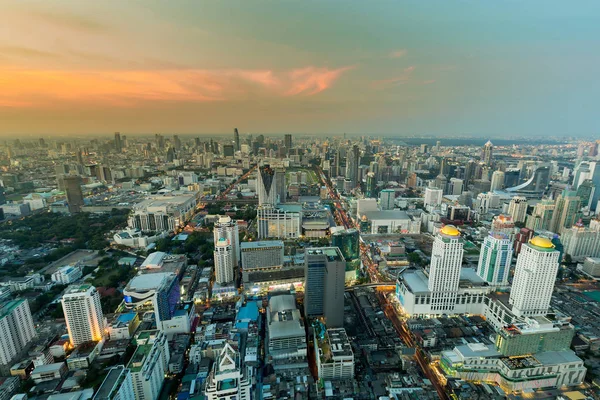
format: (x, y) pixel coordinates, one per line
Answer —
(397, 80)
(22, 88)
(397, 53)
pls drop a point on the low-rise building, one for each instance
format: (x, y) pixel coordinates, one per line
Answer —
(335, 359)
(67, 275)
(49, 372)
(124, 326)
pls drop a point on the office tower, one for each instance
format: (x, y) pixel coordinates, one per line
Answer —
(16, 327)
(517, 208)
(118, 143)
(497, 180)
(166, 298)
(535, 273)
(423, 148)
(72, 187)
(579, 241)
(433, 197)
(149, 366)
(227, 228)
(117, 385)
(262, 254)
(287, 140)
(229, 378)
(159, 140)
(352, 163)
(585, 192)
(176, 142)
(566, 210)
(236, 140)
(371, 185)
(387, 198)
(224, 266)
(441, 182)
(266, 185)
(541, 217)
(495, 258)
(456, 186)
(324, 285)
(83, 314)
(348, 243)
(412, 180)
(280, 185)
(228, 150)
(487, 153)
(444, 270)
(593, 151)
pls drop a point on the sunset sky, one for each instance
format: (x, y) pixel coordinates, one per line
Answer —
(446, 67)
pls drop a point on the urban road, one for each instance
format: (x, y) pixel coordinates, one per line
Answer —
(401, 329)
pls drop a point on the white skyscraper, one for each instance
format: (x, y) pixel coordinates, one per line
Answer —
(224, 270)
(433, 196)
(16, 329)
(517, 208)
(455, 187)
(495, 258)
(83, 314)
(148, 366)
(535, 274)
(497, 180)
(228, 229)
(444, 270)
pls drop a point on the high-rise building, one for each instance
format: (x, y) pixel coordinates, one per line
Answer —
(487, 153)
(593, 151)
(72, 185)
(541, 218)
(517, 208)
(348, 243)
(387, 198)
(266, 185)
(236, 140)
(228, 150)
(148, 366)
(371, 185)
(227, 228)
(455, 187)
(324, 285)
(444, 270)
(168, 295)
(176, 142)
(579, 241)
(280, 185)
(83, 314)
(117, 385)
(224, 267)
(585, 192)
(352, 163)
(566, 211)
(535, 273)
(495, 259)
(497, 180)
(229, 377)
(433, 196)
(16, 327)
(287, 140)
(281, 222)
(118, 143)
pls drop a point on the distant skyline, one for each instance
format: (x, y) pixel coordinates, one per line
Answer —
(411, 68)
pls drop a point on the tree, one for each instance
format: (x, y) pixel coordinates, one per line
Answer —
(414, 258)
(567, 259)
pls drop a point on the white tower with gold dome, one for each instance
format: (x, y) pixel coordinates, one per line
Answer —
(444, 270)
(534, 279)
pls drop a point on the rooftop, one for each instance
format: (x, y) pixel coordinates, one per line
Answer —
(540, 242)
(386, 214)
(332, 253)
(137, 360)
(261, 244)
(110, 383)
(147, 282)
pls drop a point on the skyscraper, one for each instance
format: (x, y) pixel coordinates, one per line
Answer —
(387, 198)
(116, 386)
(566, 211)
(236, 140)
(287, 140)
(352, 162)
(348, 243)
(224, 269)
(487, 153)
(229, 378)
(324, 285)
(83, 314)
(227, 228)
(433, 196)
(168, 295)
(16, 327)
(444, 270)
(517, 208)
(72, 185)
(535, 273)
(118, 143)
(497, 180)
(541, 218)
(495, 258)
(176, 142)
(266, 186)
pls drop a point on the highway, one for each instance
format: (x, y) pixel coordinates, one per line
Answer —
(223, 195)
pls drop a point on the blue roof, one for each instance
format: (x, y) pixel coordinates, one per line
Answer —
(248, 312)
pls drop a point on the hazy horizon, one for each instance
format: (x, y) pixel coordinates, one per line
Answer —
(412, 68)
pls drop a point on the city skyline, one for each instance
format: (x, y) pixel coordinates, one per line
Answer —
(393, 69)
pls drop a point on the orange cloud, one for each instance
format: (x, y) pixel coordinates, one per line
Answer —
(397, 53)
(123, 88)
(398, 80)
